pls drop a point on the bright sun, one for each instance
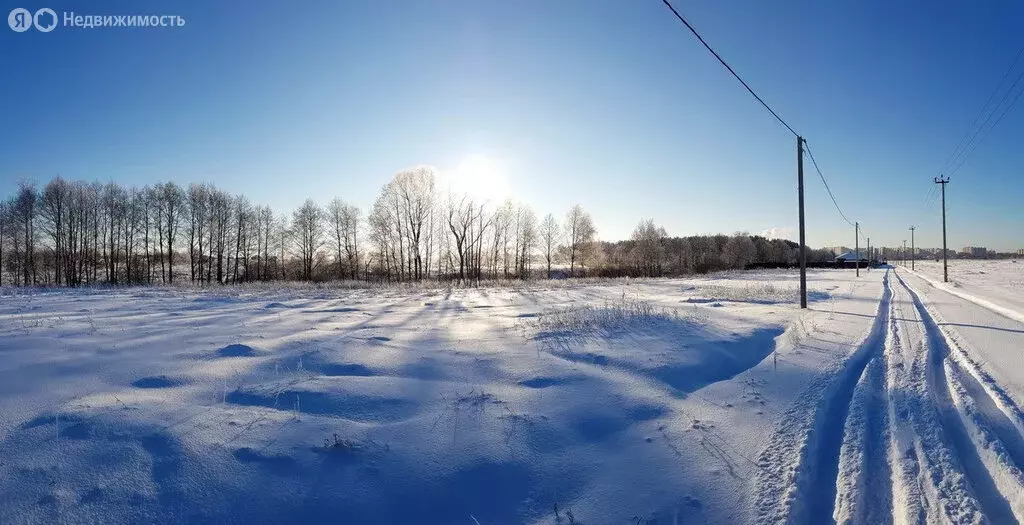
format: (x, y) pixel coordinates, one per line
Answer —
(481, 178)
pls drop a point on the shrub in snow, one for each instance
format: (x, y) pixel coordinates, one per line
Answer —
(613, 319)
(340, 444)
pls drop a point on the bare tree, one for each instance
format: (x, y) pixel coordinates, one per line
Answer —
(502, 220)
(6, 227)
(95, 225)
(343, 226)
(350, 238)
(549, 234)
(284, 235)
(74, 233)
(130, 227)
(171, 206)
(478, 232)
(15, 259)
(413, 189)
(219, 215)
(308, 224)
(242, 213)
(197, 219)
(25, 214)
(526, 240)
(461, 215)
(53, 209)
(340, 223)
(264, 229)
(382, 231)
(579, 233)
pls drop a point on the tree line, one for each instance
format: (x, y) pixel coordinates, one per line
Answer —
(75, 233)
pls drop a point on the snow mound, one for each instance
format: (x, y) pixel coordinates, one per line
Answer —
(237, 350)
(327, 398)
(157, 382)
(545, 382)
(679, 350)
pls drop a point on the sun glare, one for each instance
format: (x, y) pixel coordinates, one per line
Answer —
(481, 178)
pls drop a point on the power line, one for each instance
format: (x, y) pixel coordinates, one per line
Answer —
(951, 159)
(728, 67)
(750, 90)
(927, 204)
(829, 190)
(993, 126)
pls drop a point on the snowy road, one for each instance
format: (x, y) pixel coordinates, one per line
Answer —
(932, 431)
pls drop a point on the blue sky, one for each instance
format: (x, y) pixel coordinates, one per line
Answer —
(609, 104)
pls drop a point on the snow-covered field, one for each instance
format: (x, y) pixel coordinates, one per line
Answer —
(1000, 282)
(710, 400)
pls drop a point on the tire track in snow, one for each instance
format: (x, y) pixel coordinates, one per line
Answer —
(798, 468)
(995, 508)
(864, 484)
(913, 424)
(1001, 412)
(817, 489)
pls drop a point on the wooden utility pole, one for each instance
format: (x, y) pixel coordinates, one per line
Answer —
(856, 246)
(913, 252)
(800, 193)
(945, 267)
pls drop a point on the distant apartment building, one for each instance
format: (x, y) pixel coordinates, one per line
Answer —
(935, 253)
(1020, 252)
(974, 251)
(838, 250)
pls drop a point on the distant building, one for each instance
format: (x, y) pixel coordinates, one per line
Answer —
(837, 250)
(1020, 252)
(850, 257)
(974, 251)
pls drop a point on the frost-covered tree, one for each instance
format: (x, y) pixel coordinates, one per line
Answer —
(414, 191)
(526, 239)
(343, 226)
(739, 251)
(648, 249)
(549, 235)
(461, 218)
(579, 234)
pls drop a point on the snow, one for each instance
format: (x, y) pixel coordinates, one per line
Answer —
(708, 400)
(994, 284)
(915, 426)
(954, 440)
